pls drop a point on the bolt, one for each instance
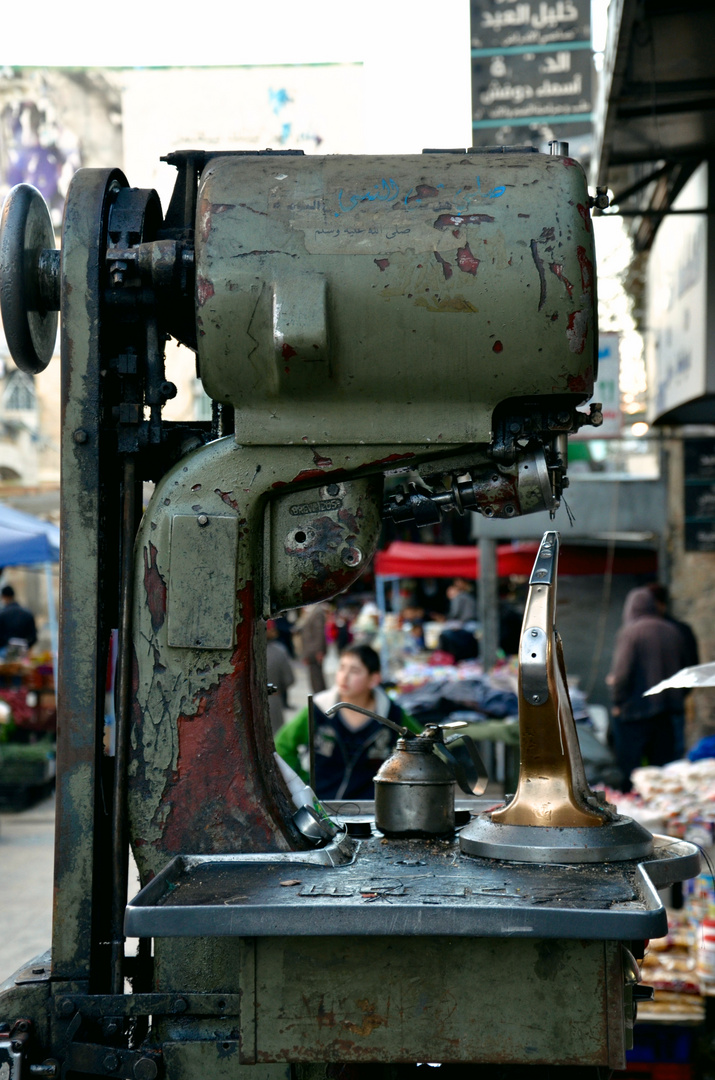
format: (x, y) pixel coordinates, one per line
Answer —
(110, 1063)
(81, 436)
(202, 519)
(333, 489)
(145, 1069)
(181, 1004)
(16, 1046)
(168, 390)
(535, 699)
(534, 633)
(67, 1007)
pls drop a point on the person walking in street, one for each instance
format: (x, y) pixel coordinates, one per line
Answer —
(692, 654)
(349, 746)
(280, 674)
(311, 627)
(17, 623)
(648, 649)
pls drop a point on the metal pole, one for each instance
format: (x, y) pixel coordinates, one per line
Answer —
(120, 842)
(488, 602)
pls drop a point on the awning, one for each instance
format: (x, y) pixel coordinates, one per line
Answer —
(403, 559)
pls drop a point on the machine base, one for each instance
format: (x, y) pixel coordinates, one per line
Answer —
(617, 841)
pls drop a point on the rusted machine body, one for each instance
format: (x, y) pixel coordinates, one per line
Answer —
(432, 316)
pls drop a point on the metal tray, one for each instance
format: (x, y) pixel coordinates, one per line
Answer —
(408, 887)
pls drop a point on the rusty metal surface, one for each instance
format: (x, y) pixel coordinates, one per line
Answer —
(321, 539)
(473, 275)
(82, 587)
(373, 1006)
(202, 770)
(408, 887)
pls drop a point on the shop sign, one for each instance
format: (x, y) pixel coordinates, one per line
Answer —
(509, 24)
(531, 72)
(676, 349)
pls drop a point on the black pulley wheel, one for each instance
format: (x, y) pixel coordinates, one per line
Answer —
(28, 279)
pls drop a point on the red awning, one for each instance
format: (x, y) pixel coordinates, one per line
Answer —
(402, 559)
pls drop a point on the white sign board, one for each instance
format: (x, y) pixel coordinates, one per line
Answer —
(606, 390)
(676, 352)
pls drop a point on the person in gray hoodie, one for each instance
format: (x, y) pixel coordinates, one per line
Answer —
(648, 649)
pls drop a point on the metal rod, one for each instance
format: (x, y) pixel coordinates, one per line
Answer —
(311, 741)
(120, 843)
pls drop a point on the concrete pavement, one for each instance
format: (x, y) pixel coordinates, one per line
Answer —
(26, 868)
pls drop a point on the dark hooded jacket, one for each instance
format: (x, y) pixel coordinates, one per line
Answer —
(648, 649)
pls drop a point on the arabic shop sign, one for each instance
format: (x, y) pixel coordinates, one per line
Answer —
(527, 87)
(504, 24)
(531, 71)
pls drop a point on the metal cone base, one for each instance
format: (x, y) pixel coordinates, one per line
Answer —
(616, 841)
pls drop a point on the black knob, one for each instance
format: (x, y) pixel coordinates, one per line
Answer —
(29, 279)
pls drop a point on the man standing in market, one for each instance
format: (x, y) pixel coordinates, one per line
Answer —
(648, 649)
(16, 622)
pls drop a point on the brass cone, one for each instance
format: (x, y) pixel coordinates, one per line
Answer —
(552, 789)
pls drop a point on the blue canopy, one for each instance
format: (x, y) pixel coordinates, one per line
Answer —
(26, 540)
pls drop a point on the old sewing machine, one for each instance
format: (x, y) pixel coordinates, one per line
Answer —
(352, 317)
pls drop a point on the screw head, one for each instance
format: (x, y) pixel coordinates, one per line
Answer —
(145, 1069)
(110, 1063)
(80, 436)
(67, 1007)
(202, 520)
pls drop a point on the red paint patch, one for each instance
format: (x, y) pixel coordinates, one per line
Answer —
(586, 270)
(222, 797)
(558, 270)
(382, 263)
(204, 290)
(497, 347)
(227, 497)
(391, 457)
(466, 262)
(576, 331)
(446, 267)
(155, 589)
(423, 191)
(449, 221)
(288, 351)
(320, 461)
(585, 214)
(581, 384)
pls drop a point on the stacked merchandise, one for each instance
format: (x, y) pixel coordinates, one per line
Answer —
(679, 800)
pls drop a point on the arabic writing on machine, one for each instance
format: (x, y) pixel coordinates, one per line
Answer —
(388, 190)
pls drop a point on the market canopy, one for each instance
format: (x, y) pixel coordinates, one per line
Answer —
(26, 540)
(404, 559)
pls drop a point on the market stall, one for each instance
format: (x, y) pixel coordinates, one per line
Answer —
(28, 715)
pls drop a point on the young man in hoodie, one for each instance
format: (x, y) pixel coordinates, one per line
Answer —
(349, 746)
(648, 649)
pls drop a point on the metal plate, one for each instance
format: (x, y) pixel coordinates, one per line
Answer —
(202, 581)
(411, 887)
